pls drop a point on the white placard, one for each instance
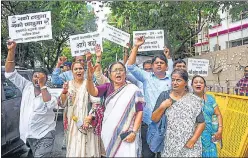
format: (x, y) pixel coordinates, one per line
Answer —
(198, 67)
(154, 39)
(115, 35)
(82, 43)
(30, 27)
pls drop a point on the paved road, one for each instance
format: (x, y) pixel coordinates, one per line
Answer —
(57, 151)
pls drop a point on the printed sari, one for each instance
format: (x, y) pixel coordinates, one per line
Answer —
(119, 117)
(181, 124)
(208, 147)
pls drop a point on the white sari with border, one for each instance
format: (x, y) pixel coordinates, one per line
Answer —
(119, 117)
(80, 144)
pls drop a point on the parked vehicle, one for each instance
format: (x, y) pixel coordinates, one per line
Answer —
(10, 110)
(56, 90)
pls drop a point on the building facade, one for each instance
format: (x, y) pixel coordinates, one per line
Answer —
(229, 33)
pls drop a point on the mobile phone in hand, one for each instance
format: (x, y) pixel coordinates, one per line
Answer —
(124, 135)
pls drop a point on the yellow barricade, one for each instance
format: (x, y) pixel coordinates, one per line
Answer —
(234, 111)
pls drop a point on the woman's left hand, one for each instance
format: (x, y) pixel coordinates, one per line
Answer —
(130, 138)
(218, 135)
(87, 122)
(190, 144)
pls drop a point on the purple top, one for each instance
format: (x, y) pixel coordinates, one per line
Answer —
(107, 88)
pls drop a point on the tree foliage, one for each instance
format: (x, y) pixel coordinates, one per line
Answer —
(68, 18)
(180, 20)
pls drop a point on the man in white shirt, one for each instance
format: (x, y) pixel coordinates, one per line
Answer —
(37, 125)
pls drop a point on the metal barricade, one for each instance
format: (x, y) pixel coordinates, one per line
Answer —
(234, 110)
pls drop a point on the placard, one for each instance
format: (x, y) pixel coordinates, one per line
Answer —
(198, 67)
(30, 27)
(154, 39)
(115, 35)
(82, 43)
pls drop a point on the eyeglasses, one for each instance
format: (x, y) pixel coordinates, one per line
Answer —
(118, 70)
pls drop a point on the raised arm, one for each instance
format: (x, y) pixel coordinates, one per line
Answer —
(170, 62)
(10, 60)
(100, 78)
(56, 79)
(132, 57)
(64, 94)
(10, 72)
(46, 96)
(92, 90)
(125, 54)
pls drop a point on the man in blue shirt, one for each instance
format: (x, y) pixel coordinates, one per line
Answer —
(154, 83)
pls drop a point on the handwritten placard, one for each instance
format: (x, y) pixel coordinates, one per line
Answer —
(30, 27)
(198, 67)
(154, 39)
(82, 43)
(115, 35)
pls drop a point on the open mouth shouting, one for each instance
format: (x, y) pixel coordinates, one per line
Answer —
(118, 78)
(198, 88)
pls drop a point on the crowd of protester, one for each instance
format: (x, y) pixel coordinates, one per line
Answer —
(110, 113)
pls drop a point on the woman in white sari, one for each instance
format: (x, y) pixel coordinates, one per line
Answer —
(82, 142)
(123, 112)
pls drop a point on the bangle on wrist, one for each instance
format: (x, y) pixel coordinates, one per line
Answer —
(44, 87)
(134, 132)
(12, 61)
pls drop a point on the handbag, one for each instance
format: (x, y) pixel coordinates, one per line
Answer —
(155, 135)
(156, 131)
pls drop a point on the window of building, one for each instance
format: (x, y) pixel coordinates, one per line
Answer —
(238, 42)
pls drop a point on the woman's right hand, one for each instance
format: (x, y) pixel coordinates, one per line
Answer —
(90, 70)
(65, 88)
(167, 103)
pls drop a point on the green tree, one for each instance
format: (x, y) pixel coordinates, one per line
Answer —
(180, 20)
(68, 18)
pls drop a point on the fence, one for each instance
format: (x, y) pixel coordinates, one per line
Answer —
(234, 110)
(227, 90)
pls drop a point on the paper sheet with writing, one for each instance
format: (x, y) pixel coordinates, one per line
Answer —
(198, 67)
(154, 39)
(30, 27)
(115, 35)
(82, 43)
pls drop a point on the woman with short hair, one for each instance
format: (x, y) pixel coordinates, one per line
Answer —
(185, 121)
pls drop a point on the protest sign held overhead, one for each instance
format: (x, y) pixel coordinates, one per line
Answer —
(154, 39)
(30, 27)
(198, 67)
(82, 43)
(115, 35)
